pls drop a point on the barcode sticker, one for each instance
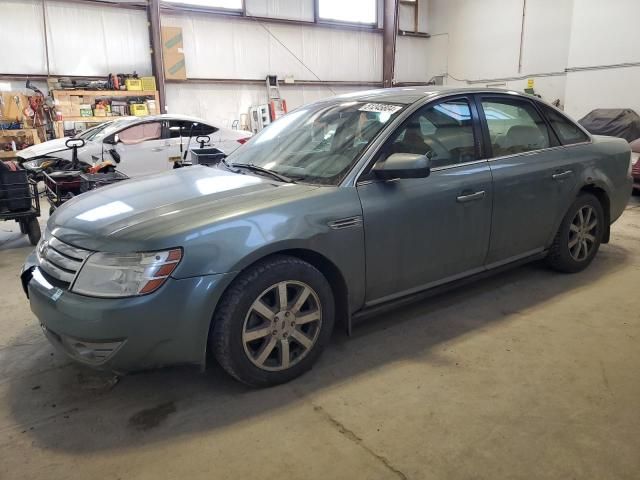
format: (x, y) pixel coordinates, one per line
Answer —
(380, 108)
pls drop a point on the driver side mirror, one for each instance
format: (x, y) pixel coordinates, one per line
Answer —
(112, 140)
(403, 165)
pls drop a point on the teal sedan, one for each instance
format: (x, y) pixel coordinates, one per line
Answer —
(337, 210)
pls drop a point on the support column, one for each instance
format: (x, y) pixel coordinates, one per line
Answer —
(389, 36)
(153, 17)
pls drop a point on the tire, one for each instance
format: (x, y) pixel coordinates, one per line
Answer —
(33, 230)
(250, 345)
(576, 243)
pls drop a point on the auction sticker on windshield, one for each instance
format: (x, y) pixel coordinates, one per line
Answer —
(380, 108)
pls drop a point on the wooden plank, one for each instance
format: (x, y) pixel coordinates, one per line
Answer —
(105, 93)
(88, 119)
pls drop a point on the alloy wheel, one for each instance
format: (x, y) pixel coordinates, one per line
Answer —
(582, 233)
(282, 325)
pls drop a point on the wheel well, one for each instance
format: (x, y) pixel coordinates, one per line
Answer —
(603, 198)
(334, 277)
(330, 272)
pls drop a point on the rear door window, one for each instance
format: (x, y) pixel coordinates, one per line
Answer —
(567, 131)
(515, 126)
(182, 128)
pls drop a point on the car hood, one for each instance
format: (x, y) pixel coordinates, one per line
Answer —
(45, 148)
(164, 210)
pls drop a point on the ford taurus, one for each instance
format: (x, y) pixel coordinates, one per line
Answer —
(339, 208)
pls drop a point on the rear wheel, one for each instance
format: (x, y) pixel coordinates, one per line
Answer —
(579, 236)
(273, 322)
(33, 230)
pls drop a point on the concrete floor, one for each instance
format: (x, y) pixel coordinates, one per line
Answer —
(530, 374)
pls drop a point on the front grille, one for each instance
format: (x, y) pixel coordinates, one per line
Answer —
(60, 260)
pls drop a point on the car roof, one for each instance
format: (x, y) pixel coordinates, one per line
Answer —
(174, 116)
(409, 95)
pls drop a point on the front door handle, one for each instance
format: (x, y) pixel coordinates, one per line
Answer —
(158, 149)
(471, 197)
(561, 175)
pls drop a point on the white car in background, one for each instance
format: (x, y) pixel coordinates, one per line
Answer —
(139, 145)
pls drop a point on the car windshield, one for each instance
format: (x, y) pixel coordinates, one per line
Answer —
(318, 143)
(90, 133)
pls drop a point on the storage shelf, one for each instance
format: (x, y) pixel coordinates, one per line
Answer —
(65, 98)
(106, 93)
(90, 119)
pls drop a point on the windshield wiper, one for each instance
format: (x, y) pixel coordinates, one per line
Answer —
(256, 168)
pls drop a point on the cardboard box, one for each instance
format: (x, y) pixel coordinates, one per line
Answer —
(151, 106)
(65, 110)
(86, 110)
(173, 53)
(13, 106)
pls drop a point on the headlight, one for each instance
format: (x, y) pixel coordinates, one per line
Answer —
(125, 275)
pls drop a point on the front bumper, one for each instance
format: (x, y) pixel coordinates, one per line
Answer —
(169, 326)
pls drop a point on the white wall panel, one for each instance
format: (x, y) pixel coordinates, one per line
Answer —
(406, 16)
(94, 40)
(412, 59)
(228, 48)
(481, 41)
(289, 9)
(589, 90)
(22, 37)
(547, 34)
(221, 104)
(605, 32)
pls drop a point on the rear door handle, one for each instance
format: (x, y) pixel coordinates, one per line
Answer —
(561, 175)
(471, 197)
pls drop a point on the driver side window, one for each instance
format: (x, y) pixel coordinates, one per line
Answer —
(443, 131)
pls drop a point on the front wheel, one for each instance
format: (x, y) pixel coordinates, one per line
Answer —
(273, 322)
(579, 236)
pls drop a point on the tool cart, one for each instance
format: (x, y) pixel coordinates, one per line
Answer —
(19, 199)
(63, 185)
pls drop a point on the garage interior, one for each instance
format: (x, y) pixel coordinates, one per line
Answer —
(525, 374)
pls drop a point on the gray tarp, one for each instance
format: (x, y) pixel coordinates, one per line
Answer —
(616, 122)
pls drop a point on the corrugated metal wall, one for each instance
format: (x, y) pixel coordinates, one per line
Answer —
(90, 40)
